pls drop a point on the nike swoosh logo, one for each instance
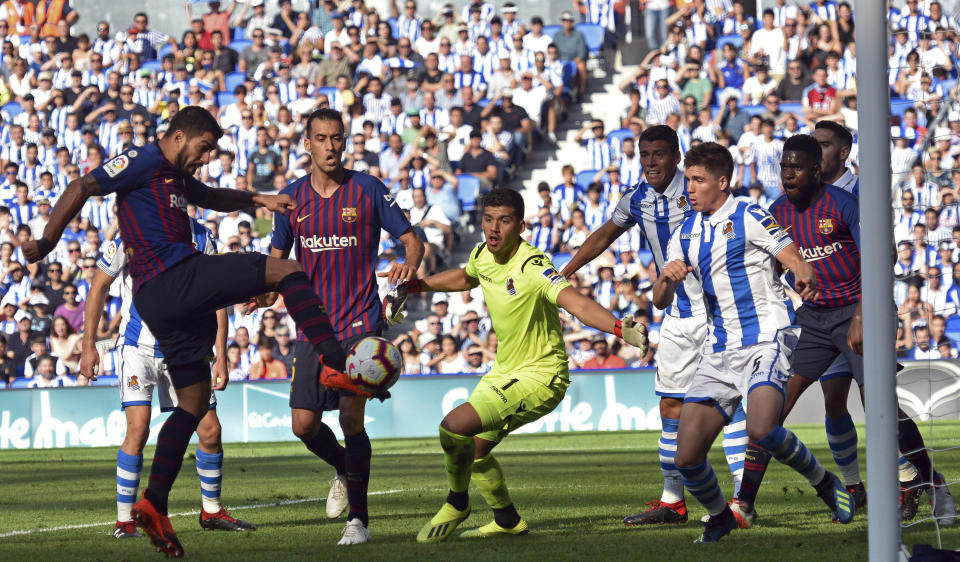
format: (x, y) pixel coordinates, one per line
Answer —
(303, 218)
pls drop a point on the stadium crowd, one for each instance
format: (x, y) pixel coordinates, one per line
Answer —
(442, 109)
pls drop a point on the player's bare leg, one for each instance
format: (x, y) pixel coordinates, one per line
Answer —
(320, 440)
(457, 431)
(129, 467)
(357, 464)
(209, 455)
(193, 401)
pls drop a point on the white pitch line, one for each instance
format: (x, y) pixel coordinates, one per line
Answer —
(183, 514)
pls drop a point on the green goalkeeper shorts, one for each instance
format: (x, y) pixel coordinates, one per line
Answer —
(506, 402)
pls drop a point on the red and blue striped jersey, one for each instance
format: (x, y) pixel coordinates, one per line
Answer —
(152, 197)
(828, 236)
(337, 241)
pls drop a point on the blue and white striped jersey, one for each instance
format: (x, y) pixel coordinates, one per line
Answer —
(732, 255)
(658, 214)
(113, 262)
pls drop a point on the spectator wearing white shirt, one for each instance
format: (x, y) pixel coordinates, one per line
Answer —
(769, 44)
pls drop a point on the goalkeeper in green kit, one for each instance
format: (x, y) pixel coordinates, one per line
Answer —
(522, 290)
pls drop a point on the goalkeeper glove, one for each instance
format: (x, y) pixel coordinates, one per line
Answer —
(396, 300)
(633, 332)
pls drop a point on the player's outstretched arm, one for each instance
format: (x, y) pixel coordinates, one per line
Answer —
(227, 200)
(67, 207)
(400, 272)
(92, 311)
(452, 280)
(593, 246)
(670, 278)
(594, 315)
(803, 273)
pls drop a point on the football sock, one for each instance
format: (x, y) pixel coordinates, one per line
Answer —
(458, 453)
(128, 480)
(506, 517)
(755, 462)
(488, 476)
(210, 470)
(325, 445)
(672, 481)
(357, 462)
(701, 482)
(459, 500)
(842, 436)
(912, 447)
(907, 471)
(172, 443)
(311, 318)
(788, 449)
(735, 446)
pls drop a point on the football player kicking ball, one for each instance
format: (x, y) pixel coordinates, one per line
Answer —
(732, 248)
(529, 377)
(143, 369)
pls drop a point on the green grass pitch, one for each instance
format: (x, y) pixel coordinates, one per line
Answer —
(573, 489)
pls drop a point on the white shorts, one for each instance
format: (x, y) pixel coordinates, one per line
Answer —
(725, 378)
(839, 368)
(678, 354)
(140, 374)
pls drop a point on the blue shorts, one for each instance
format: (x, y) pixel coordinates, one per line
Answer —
(180, 304)
(823, 338)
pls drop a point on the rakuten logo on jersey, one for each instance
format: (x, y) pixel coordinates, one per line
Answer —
(820, 252)
(318, 244)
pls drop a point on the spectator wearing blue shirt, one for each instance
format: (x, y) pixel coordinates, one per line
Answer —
(442, 193)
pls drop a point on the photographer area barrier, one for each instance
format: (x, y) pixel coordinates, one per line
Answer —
(608, 400)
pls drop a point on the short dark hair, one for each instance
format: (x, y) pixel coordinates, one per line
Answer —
(324, 114)
(195, 121)
(842, 134)
(660, 133)
(805, 144)
(712, 156)
(504, 197)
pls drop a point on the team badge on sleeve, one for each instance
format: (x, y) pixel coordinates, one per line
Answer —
(110, 250)
(348, 214)
(825, 226)
(117, 165)
(553, 276)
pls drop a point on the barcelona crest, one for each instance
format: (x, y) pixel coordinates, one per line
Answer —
(825, 226)
(348, 214)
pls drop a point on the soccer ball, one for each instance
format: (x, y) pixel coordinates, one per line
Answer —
(374, 364)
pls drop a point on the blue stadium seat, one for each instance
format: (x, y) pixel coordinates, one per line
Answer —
(166, 49)
(735, 40)
(326, 91)
(11, 109)
(3, 385)
(585, 177)
(20, 382)
(948, 85)
(795, 108)
(233, 80)
(468, 191)
(225, 98)
(240, 45)
(898, 105)
(393, 27)
(595, 36)
(619, 135)
(753, 109)
(106, 380)
(152, 65)
(561, 259)
(552, 30)
(483, 102)
(238, 35)
(644, 256)
(953, 329)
